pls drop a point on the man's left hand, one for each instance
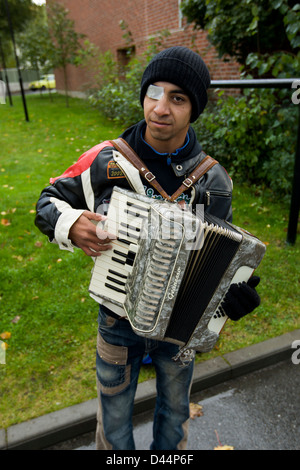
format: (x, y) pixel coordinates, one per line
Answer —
(241, 299)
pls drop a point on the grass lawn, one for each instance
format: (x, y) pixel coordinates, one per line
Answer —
(45, 310)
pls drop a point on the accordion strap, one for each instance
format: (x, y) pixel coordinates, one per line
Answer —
(206, 164)
(124, 148)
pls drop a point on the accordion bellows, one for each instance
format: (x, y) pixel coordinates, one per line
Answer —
(169, 269)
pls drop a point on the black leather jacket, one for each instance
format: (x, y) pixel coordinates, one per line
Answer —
(87, 185)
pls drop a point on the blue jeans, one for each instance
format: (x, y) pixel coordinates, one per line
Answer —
(119, 357)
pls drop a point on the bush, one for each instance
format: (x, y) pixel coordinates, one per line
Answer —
(253, 136)
(118, 97)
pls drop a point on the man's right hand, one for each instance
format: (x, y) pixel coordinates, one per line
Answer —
(85, 234)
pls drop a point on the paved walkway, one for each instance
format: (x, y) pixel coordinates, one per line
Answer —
(256, 411)
(67, 423)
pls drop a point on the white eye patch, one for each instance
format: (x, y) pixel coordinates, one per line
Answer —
(155, 92)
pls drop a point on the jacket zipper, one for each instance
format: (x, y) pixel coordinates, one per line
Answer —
(208, 194)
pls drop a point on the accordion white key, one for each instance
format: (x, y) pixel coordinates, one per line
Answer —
(169, 270)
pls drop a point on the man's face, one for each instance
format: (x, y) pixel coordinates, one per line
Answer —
(167, 112)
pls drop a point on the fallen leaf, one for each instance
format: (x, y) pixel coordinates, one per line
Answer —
(220, 446)
(18, 257)
(5, 335)
(16, 319)
(224, 448)
(5, 222)
(195, 410)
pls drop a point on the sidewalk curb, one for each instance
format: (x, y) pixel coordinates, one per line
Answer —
(78, 419)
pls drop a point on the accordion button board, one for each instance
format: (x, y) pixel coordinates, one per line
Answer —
(169, 271)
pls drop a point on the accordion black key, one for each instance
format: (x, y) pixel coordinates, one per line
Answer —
(169, 269)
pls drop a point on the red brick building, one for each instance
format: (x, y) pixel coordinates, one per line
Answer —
(100, 21)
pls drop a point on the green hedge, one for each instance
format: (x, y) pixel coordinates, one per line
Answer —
(254, 136)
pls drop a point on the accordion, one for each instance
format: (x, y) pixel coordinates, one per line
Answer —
(170, 269)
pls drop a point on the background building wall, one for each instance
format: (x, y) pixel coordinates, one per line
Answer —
(100, 21)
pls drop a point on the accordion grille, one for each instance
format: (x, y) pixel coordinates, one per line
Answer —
(204, 272)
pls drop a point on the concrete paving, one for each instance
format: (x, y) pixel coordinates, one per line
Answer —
(80, 420)
(257, 411)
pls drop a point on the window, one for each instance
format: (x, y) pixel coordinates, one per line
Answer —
(123, 57)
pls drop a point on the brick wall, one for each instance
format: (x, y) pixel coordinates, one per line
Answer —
(100, 20)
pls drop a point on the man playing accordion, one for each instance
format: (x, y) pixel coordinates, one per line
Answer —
(173, 95)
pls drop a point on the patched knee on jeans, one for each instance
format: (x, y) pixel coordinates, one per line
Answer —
(112, 371)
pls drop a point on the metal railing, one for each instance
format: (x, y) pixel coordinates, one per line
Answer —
(276, 83)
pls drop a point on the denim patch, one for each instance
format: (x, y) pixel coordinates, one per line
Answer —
(112, 372)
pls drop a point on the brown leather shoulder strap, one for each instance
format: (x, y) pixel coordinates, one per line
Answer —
(124, 148)
(206, 164)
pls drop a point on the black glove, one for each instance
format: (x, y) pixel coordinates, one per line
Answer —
(241, 299)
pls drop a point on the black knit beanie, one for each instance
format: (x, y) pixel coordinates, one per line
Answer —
(184, 68)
